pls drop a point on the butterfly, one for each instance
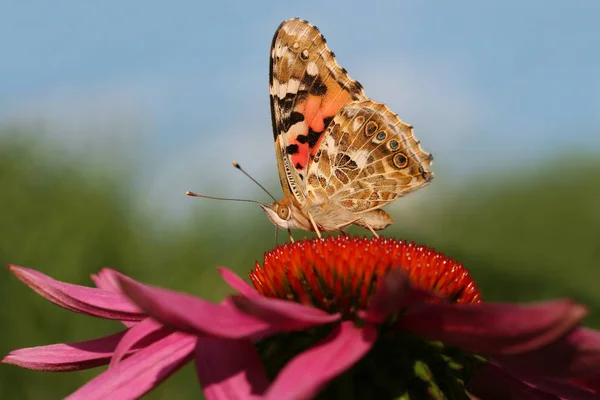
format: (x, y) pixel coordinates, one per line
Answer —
(341, 156)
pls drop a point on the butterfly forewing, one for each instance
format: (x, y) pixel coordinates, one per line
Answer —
(307, 89)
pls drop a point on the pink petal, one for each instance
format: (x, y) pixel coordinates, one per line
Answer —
(140, 373)
(574, 355)
(493, 328)
(491, 382)
(191, 314)
(229, 369)
(238, 283)
(91, 301)
(310, 371)
(141, 335)
(107, 279)
(282, 314)
(66, 356)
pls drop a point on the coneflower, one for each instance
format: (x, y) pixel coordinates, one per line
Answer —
(329, 318)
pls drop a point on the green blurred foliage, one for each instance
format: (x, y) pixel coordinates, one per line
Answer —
(526, 235)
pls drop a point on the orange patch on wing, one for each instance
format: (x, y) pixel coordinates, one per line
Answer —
(311, 109)
(315, 110)
(301, 157)
(328, 106)
(333, 103)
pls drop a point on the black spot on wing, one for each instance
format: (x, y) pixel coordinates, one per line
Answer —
(302, 139)
(327, 121)
(428, 176)
(315, 84)
(295, 117)
(292, 149)
(352, 87)
(313, 138)
(318, 87)
(276, 131)
(298, 166)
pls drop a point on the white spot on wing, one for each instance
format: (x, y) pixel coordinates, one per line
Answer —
(330, 143)
(291, 87)
(280, 50)
(312, 68)
(299, 128)
(360, 157)
(357, 123)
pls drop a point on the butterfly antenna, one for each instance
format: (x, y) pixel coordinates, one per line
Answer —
(192, 194)
(238, 166)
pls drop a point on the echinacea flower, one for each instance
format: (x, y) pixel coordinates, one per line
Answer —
(337, 318)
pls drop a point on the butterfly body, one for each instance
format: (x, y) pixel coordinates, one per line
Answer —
(340, 155)
(287, 215)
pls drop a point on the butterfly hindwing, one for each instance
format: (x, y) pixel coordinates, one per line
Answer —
(368, 158)
(307, 89)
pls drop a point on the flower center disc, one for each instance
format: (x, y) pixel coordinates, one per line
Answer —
(339, 274)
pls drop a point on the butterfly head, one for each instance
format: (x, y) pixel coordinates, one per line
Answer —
(284, 214)
(279, 214)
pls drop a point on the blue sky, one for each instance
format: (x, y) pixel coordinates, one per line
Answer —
(487, 85)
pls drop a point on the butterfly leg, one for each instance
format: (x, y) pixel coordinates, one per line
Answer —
(291, 238)
(344, 225)
(312, 221)
(372, 230)
(376, 219)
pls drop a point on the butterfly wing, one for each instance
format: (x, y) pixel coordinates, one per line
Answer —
(367, 158)
(307, 89)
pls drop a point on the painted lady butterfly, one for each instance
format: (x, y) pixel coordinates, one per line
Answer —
(341, 156)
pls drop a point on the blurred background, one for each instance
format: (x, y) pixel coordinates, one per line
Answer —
(110, 111)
